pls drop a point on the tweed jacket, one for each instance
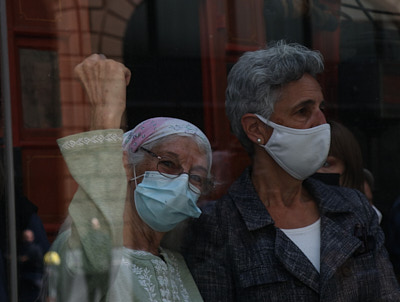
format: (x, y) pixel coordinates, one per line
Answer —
(235, 252)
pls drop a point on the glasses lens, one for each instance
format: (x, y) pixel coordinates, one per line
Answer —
(171, 168)
(196, 180)
(168, 167)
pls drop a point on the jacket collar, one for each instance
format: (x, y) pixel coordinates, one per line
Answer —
(328, 197)
(256, 216)
(249, 205)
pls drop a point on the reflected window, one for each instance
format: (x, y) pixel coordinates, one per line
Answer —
(40, 88)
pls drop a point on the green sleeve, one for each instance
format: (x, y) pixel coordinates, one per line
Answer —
(95, 161)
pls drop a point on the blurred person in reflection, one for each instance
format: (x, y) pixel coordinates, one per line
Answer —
(134, 188)
(30, 267)
(26, 218)
(279, 235)
(344, 165)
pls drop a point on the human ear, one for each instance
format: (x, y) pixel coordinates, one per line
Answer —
(255, 129)
(127, 166)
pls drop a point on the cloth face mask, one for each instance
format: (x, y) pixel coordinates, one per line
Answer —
(300, 152)
(164, 202)
(332, 179)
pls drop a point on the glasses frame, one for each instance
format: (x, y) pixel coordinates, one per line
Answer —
(207, 183)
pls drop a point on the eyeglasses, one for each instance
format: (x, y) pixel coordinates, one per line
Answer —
(171, 168)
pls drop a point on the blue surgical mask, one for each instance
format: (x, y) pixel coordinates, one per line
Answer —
(164, 202)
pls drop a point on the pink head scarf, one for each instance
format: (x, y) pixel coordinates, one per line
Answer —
(155, 128)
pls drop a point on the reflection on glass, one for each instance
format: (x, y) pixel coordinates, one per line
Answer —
(180, 52)
(40, 88)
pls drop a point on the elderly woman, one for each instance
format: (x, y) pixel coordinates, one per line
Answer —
(128, 198)
(278, 235)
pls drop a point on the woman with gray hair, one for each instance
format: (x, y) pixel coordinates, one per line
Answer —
(128, 199)
(278, 235)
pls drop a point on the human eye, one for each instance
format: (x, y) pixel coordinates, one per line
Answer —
(330, 164)
(196, 180)
(302, 111)
(326, 165)
(305, 109)
(169, 166)
(202, 182)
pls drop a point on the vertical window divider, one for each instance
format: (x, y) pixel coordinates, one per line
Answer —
(9, 160)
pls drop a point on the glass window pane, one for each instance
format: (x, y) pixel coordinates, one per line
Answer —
(180, 53)
(40, 88)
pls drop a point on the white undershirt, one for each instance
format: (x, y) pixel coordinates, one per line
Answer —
(308, 239)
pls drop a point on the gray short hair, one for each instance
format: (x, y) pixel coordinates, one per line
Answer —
(256, 80)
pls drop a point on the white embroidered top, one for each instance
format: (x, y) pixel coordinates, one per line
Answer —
(308, 239)
(146, 277)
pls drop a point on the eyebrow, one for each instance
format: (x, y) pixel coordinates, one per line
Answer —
(196, 168)
(169, 154)
(176, 156)
(308, 103)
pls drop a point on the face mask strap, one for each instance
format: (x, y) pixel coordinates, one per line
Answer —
(265, 121)
(261, 118)
(134, 176)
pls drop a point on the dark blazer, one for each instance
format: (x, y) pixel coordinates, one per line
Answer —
(235, 252)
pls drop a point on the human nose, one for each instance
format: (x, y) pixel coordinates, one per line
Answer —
(319, 118)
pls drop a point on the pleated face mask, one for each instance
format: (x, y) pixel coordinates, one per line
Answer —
(164, 202)
(300, 152)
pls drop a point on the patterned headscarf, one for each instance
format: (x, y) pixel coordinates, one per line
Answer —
(155, 128)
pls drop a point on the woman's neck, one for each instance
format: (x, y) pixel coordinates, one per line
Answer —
(273, 185)
(137, 235)
(285, 198)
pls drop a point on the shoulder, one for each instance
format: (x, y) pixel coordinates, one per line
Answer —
(173, 256)
(241, 190)
(240, 208)
(336, 199)
(203, 230)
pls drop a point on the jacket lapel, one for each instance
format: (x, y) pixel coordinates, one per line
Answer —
(295, 262)
(337, 245)
(338, 242)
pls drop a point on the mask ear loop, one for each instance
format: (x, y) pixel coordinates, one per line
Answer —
(265, 122)
(134, 176)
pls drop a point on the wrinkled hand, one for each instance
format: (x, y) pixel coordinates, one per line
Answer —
(104, 81)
